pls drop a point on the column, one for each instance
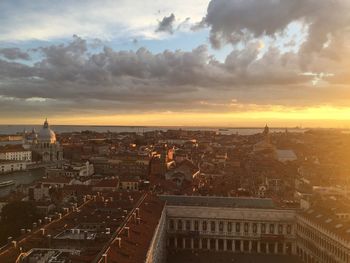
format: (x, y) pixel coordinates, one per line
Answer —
(276, 249)
(208, 243)
(192, 243)
(216, 244)
(225, 244)
(183, 243)
(233, 245)
(250, 246)
(259, 249)
(267, 248)
(284, 248)
(241, 245)
(200, 243)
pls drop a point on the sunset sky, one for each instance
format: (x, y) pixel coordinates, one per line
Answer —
(193, 63)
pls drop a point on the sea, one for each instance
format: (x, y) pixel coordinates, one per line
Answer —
(13, 129)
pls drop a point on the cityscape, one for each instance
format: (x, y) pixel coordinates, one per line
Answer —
(200, 131)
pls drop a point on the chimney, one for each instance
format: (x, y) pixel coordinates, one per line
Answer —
(49, 241)
(104, 257)
(14, 243)
(42, 231)
(134, 217)
(125, 212)
(23, 231)
(85, 235)
(138, 220)
(59, 215)
(127, 231)
(119, 242)
(9, 240)
(137, 212)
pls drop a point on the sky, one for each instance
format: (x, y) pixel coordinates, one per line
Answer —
(227, 63)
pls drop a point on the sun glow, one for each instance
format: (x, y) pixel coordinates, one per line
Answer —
(323, 116)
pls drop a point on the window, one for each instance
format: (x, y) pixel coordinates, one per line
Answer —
(263, 228)
(196, 225)
(204, 226)
(289, 229)
(255, 228)
(179, 225)
(246, 227)
(229, 227)
(212, 226)
(221, 226)
(238, 227)
(171, 224)
(272, 228)
(280, 229)
(188, 225)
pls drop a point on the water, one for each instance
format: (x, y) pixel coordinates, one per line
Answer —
(20, 178)
(13, 129)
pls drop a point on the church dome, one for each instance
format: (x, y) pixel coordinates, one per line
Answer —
(46, 134)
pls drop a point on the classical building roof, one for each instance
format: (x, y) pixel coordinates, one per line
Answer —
(46, 134)
(215, 201)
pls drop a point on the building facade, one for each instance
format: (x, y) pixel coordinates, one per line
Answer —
(12, 166)
(15, 153)
(322, 237)
(256, 229)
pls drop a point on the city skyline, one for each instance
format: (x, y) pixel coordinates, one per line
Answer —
(203, 63)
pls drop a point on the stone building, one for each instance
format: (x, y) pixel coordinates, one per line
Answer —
(243, 225)
(44, 145)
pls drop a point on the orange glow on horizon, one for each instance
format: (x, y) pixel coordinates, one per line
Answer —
(323, 116)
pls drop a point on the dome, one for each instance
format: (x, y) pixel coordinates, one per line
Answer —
(46, 134)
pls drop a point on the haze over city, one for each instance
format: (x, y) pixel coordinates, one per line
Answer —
(176, 63)
(197, 131)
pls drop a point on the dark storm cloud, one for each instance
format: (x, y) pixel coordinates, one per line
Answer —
(232, 21)
(14, 53)
(166, 24)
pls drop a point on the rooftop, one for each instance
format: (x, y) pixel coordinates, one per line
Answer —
(85, 228)
(136, 235)
(215, 201)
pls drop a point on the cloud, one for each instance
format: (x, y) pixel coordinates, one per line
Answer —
(14, 53)
(234, 21)
(69, 78)
(166, 24)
